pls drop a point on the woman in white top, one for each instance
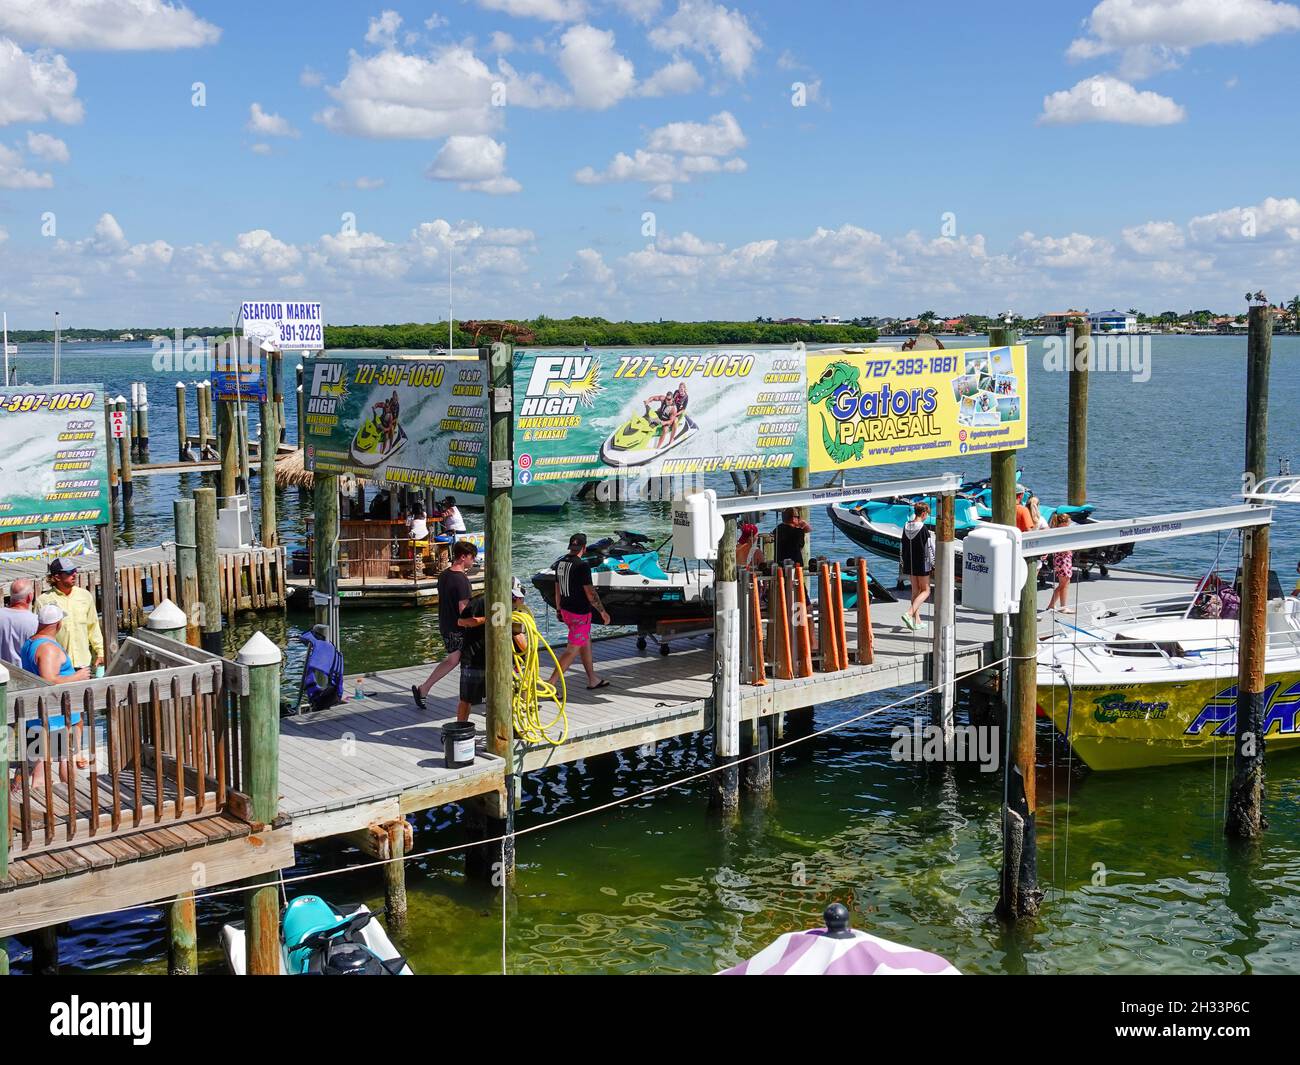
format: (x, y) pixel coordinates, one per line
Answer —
(453, 523)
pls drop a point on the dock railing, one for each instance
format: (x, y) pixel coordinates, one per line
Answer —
(155, 742)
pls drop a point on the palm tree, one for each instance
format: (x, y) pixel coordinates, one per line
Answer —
(1294, 308)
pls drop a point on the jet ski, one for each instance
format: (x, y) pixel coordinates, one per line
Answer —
(367, 445)
(634, 442)
(317, 939)
(635, 587)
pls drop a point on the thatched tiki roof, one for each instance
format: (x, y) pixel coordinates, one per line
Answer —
(290, 472)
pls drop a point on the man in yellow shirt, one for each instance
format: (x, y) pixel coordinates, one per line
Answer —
(79, 634)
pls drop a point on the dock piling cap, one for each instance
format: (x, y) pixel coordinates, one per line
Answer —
(166, 616)
(259, 651)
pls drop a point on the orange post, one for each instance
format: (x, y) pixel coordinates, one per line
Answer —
(805, 636)
(781, 634)
(760, 663)
(866, 639)
(830, 657)
(841, 635)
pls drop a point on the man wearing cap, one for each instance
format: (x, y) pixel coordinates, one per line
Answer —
(43, 655)
(17, 622)
(79, 634)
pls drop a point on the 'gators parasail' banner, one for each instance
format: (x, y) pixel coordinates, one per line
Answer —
(418, 422)
(871, 408)
(54, 470)
(588, 415)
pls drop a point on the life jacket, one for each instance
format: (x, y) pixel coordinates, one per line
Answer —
(322, 674)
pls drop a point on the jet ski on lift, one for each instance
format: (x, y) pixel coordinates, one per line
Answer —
(638, 590)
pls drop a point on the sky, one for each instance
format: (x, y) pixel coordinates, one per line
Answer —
(642, 159)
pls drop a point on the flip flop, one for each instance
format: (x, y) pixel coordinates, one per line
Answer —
(907, 620)
(602, 684)
(419, 699)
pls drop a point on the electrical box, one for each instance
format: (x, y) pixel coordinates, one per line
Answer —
(993, 570)
(697, 525)
(235, 524)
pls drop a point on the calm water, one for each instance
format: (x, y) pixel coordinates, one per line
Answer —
(1139, 876)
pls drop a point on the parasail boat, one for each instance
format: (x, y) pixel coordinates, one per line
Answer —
(1150, 683)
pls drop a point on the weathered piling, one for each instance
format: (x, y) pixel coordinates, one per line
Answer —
(943, 653)
(241, 424)
(395, 905)
(1079, 369)
(297, 372)
(228, 446)
(124, 455)
(269, 444)
(1019, 888)
(1243, 818)
(325, 539)
(260, 731)
(140, 401)
(203, 412)
(725, 793)
(187, 569)
(498, 526)
(1002, 470)
(110, 446)
(182, 423)
(205, 539)
(799, 480)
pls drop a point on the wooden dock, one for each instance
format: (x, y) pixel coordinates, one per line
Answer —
(394, 763)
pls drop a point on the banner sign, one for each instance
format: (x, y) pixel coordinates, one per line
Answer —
(418, 422)
(587, 415)
(284, 325)
(54, 469)
(873, 408)
(237, 370)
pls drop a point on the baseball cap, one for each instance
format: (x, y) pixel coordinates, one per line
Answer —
(62, 565)
(516, 589)
(50, 614)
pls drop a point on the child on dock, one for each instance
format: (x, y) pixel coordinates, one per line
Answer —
(1062, 568)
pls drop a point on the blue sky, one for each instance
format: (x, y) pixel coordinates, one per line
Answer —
(938, 156)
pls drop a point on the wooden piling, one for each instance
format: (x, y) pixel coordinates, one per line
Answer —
(266, 477)
(325, 538)
(228, 446)
(1243, 819)
(866, 638)
(182, 936)
(204, 414)
(182, 423)
(943, 653)
(245, 478)
(1020, 895)
(187, 569)
(725, 793)
(298, 393)
(277, 380)
(1079, 369)
(110, 446)
(799, 480)
(1002, 469)
(260, 735)
(209, 575)
(142, 421)
(124, 456)
(395, 905)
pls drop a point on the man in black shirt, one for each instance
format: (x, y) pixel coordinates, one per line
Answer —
(473, 656)
(790, 537)
(575, 597)
(453, 594)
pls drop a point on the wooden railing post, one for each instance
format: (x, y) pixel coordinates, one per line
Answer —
(260, 737)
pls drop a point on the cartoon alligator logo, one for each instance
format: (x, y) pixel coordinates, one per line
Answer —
(838, 375)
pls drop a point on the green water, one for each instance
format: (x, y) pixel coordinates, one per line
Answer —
(1138, 875)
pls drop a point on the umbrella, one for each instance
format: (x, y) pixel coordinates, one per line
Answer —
(838, 950)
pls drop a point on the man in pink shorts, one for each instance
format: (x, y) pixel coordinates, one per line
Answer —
(575, 598)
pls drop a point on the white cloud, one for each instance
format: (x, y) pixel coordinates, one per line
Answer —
(501, 42)
(1272, 220)
(688, 243)
(721, 135)
(36, 87)
(599, 75)
(1174, 27)
(547, 10)
(639, 10)
(589, 271)
(47, 147)
(435, 22)
(14, 173)
(365, 184)
(106, 25)
(261, 148)
(712, 30)
(478, 163)
(268, 124)
(311, 79)
(679, 76)
(382, 30)
(1154, 238)
(1107, 99)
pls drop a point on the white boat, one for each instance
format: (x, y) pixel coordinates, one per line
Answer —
(1144, 683)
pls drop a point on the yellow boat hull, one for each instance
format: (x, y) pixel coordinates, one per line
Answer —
(1131, 726)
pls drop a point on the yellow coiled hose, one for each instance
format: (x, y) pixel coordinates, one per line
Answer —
(530, 691)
